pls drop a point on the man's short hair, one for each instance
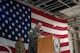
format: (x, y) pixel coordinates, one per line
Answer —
(19, 37)
(39, 23)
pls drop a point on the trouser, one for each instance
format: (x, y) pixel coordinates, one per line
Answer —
(32, 48)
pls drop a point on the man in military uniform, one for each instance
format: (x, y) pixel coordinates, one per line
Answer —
(20, 48)
(34, 34)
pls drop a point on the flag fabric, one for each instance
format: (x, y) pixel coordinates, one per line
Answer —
(16, 19)
(53, 26)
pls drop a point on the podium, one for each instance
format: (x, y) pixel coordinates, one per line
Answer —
(48, 44)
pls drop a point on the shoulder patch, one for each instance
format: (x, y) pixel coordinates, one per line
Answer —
(31, 31)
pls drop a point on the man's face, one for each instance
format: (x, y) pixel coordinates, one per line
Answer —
(20, 39)
(38, 26)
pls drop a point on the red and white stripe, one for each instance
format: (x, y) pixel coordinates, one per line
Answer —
(53, 26)
(7, 46)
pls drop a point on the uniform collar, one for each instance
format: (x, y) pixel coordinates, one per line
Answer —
(36, 29)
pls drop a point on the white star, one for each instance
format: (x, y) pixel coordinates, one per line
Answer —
(10, 27)
(23, 15)
(16, 29)
(6, 21)
(23, 39)
(13, 32)
(28, 40)
(28, 17)
(4, 0)
(26, 20)
(28, 24)
(17, 13)
(14, 7)
(29, 9)
(0, 1)
(26, 12)
(13, 24)
(14, 15)
(22, 31)
(0, 9)
(25, 28)
(20, 18)
(16, 38)
(23, 7)
(22, 23)
(16, 21)
(19, 34)
(10, 19)
(7, 12)
(4, 7)
(25, 36)
(3, 34)
(28, 32)
(7, 4)
(20, 10)
(11, 10)
(6, 30)
(11, 2)
(19, 26)
(0, 28)
(3, 16)
(0, 18)
(17, 5)
(9, 36)
(3, 25)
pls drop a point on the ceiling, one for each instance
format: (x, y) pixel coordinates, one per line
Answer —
(64, 9)
(51, 6)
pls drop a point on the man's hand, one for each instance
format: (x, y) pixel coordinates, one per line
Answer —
(41, 36)
(23, 52)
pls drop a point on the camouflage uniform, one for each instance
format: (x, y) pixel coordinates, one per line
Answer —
(20, 48)
(33, 36)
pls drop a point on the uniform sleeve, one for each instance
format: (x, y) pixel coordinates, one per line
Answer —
(17, 47)
(23, 47)
(31, 35)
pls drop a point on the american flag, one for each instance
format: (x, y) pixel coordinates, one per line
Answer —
(16, 19)
(53, 26)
